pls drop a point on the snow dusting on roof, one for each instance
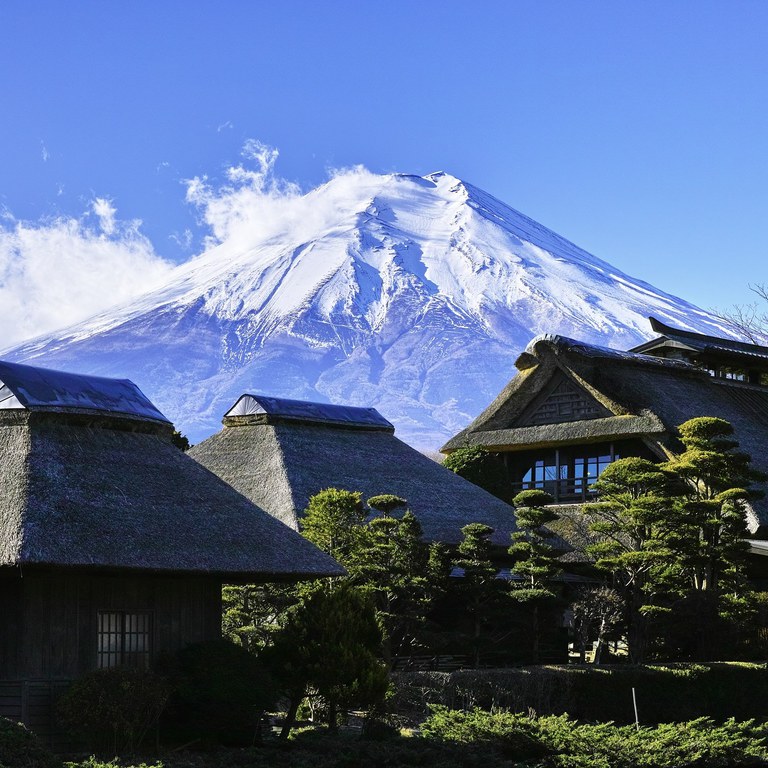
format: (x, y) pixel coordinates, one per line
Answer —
(40, 389)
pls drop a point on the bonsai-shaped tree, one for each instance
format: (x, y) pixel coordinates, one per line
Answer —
(479, 586)
(333, 521)
(534, 558)
(709, 530)
(633, 503)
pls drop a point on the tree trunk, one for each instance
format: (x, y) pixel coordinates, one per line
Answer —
(290, 716)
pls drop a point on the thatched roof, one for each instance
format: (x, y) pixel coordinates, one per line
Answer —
(91, 488)
(279, 462)
(648, 398)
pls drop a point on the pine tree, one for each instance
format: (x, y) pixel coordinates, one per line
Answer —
(333, 521)
(533, 556)
(634, 501)
(478, 586)
(330, 644)
(711, 510)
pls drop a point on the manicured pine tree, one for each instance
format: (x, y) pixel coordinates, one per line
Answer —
(392, 567)
(629, 517)
(711, 520)
(333, 521)
(709, 531)
(478, 586)
(534, 558)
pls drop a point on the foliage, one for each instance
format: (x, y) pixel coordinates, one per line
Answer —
(333, 521)
(710, 522)
(630, 518)
(220, 692)
(533, 555)
(20, 748)
(180, 441)
(252, 613)
(479, 466)
(664, 693)
(597, 614)
(113, 709)
(393, 568)
(386, 503)
(568, 743)
(478, 588)
(329, 645)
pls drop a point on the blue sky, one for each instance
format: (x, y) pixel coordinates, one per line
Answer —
(639, 130)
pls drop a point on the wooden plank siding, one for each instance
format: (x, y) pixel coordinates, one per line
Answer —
(48, 628)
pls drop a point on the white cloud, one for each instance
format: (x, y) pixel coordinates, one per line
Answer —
(58, 272)
(254, 204)
(105, 212)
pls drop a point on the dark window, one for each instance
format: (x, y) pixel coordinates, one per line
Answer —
(124, 639)
(567, 474)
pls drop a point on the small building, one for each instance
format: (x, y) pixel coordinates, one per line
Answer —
(114, 544)
(573, 408)
(280, 452)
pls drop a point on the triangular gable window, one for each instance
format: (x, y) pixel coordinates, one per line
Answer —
(562, 401)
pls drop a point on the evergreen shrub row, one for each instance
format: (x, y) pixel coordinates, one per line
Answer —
(669, 693)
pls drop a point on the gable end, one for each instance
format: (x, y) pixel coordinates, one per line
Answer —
(561, 401)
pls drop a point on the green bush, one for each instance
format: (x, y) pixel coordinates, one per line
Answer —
(112, 709)
(564, 742)
(220, 692)
(19, 748)
(594, 694)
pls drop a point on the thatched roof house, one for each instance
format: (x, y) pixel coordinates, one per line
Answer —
(113, 543)
(573, 408)
(280, 452)
(89, 477)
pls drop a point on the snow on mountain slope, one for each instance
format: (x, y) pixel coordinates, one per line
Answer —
(411, 294)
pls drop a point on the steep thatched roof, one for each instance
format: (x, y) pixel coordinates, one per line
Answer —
(87, 487)
(648, 397)
(279, 461)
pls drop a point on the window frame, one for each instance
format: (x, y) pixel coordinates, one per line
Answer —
(123, 654)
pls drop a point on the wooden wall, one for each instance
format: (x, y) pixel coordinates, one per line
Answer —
(53, 635)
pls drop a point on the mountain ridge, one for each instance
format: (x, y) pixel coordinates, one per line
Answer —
(411, 294)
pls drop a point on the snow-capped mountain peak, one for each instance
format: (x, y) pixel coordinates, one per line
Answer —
(411, 294)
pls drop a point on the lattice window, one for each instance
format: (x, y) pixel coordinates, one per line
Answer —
(124, 639)
(566, 402)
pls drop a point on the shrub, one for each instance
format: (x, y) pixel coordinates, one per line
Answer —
(220, 692)
(664, 694)
(19, 748)
(569, 744)
(112, 709)
(516, 735)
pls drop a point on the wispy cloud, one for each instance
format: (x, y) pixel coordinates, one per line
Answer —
(57, 272)
(254, 203)
(44, 151)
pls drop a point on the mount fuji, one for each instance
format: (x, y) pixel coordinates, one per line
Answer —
(411, 294)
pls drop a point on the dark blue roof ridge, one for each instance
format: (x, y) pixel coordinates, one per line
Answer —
(250, 403)
(706, 340)
(45, 389)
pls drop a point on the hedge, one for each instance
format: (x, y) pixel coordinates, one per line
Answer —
(669, 693)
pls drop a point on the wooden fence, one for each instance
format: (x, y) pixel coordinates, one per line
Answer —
(33, 702)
